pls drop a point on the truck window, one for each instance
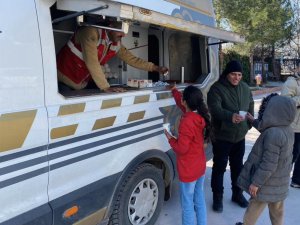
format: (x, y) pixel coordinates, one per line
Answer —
(116, 71)
(163, 46)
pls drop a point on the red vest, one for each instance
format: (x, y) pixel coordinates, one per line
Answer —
(70, 61)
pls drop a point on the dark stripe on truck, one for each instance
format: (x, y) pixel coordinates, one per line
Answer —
(89, 199)
(58, 165)
(102, 132)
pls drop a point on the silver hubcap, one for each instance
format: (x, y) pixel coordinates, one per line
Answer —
(143, 202)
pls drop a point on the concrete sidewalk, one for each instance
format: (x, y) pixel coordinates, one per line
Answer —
(269, 87)
(171, 213)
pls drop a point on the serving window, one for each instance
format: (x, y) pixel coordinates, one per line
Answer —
(182, 52)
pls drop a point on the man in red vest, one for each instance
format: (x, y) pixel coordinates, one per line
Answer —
(79, 61)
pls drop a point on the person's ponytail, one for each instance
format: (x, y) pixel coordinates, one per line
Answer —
(203, 111)
(194, 100)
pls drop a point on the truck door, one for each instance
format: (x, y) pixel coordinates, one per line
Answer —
(23, 118)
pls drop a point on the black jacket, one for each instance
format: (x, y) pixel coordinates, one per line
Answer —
(223, 100)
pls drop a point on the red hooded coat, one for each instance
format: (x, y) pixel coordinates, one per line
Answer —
(189, 145)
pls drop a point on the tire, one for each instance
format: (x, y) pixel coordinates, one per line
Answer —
(140, 198)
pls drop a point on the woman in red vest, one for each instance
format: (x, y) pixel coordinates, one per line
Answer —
(80, 60)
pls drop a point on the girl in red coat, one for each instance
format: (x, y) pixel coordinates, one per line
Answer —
(194, 128)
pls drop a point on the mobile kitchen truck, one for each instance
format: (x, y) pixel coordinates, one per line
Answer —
(86, 157)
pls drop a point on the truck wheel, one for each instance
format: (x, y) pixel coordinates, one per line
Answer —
(140, 197)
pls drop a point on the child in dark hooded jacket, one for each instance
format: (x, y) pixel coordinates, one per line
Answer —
(194, 128)
(266, 173)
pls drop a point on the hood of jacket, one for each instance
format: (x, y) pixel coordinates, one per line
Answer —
(279, 111)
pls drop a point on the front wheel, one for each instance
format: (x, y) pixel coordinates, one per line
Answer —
(140, 197)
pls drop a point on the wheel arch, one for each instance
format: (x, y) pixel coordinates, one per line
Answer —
(158, 159)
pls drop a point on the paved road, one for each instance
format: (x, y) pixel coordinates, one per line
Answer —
(171, 213)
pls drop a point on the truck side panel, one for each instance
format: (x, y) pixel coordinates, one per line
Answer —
(23, 118)
(107, 136)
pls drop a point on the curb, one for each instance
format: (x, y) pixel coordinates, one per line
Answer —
(266, 91)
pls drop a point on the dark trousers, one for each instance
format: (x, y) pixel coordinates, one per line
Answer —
(296, 159)
(224, 150)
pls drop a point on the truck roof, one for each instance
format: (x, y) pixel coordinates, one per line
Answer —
(191, 16)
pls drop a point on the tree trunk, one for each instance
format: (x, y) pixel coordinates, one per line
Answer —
(273, 61)
(252, 78)
(264, 75)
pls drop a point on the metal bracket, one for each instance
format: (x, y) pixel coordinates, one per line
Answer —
(124, 28)
(78, 14)
(217, 43)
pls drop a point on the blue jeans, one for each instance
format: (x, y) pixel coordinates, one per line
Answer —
(193, 200)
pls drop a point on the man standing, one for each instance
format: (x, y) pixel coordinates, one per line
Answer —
(226, 98)
(79, 61)
(291, 88)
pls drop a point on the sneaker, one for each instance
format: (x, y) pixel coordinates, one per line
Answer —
(294, 185)
(239, 223)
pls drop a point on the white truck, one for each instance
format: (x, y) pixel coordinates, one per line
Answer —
(86, 157)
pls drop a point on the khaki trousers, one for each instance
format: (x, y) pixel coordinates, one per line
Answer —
(255, 208)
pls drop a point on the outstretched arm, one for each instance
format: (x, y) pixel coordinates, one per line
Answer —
(177, 97)
(139, 63)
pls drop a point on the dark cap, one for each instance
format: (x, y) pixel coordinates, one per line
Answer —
(232, 66)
